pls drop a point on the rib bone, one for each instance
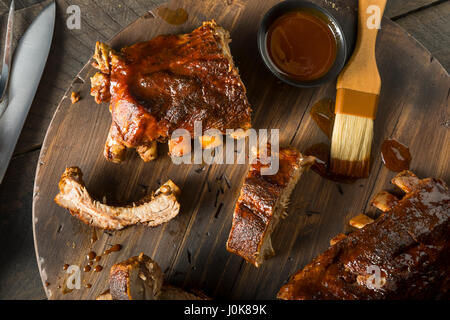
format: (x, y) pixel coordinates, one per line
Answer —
(360, 221)
(152, 210)
(384, 201)
(406, 180)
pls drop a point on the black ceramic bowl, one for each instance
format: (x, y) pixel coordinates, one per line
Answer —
(294, 5)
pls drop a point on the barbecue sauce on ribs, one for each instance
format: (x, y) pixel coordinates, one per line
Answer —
(168, 83)
(409, 244)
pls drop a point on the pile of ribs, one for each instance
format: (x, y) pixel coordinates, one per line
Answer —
(152, 210)
(262, 201)
(409, 244)
(141, 278)
(168, 83)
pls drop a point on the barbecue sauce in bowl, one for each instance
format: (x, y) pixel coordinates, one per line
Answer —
(302, 45)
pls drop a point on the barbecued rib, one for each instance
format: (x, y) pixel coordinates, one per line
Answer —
(141, 278)
(168, 83)
(152, 210)
(262, 201)
(409, 244)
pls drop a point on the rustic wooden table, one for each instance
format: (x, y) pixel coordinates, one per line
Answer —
(426, 20)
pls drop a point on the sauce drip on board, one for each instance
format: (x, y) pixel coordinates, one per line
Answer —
(114, 248)
(175, 17)
(396, 156)
(98, 268)
(94, 237)
(322, 113)
(91, 255)
(302, 45)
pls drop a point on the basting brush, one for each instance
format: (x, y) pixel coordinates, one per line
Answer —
(358, 88)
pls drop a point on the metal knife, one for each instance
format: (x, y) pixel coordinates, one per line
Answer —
(27, 67)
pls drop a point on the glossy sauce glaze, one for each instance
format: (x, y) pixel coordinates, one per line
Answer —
(91, 255)
(396, 156)
(323, 115)
(151, 80)
(302, 45)
(114, 248)
(411, 269)
(98, 268)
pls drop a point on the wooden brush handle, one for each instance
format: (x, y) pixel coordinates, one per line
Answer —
(361, 72)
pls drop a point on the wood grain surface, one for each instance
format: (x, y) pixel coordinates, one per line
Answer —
(191, 248)
(426, 20)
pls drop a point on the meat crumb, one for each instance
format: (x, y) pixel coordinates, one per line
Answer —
(75, 97)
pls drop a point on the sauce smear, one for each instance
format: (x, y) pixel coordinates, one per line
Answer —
(302, 45)
(114, 248)
(323, 115)
(396, 156)
(175, 17)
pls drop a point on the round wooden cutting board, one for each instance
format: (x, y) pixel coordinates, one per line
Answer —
(191, 248)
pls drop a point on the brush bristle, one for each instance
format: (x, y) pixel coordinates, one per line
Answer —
(351, 145)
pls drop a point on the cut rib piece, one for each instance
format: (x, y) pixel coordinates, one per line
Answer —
(141, 278)
(152, 210)
(262, 201)
(138, 278)
(409, 246)
(168, 83)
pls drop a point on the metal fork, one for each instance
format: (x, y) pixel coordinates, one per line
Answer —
(7, 53)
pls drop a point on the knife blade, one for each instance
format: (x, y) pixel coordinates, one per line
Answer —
(27, 67)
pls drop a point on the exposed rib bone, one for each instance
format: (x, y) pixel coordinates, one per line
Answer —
(148, 152)
(384, 201)
(406, 180)
(360, 221)
(210, 142)
(101, 57)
